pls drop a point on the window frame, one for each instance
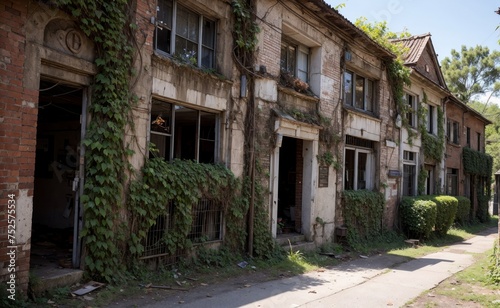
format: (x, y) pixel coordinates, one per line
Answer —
(369, 176)
(171, 136)
(452, 181)
(299, 49)
(453, 131)
(430, 119)
(174, 34)
(409, 160)
(350, 100)
(411, 115)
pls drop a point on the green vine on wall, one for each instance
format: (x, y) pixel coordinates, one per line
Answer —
(182, 182)
(433, 147)
(363, 211)
(477, 163)
(108, 24)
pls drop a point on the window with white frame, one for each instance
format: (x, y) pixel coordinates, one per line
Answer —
(184, 133)
(359, 92)
(409, 173)
(453, 131)
(411, 114)
(185, 34)
(358, 164)
(452, 181)
(294, 60)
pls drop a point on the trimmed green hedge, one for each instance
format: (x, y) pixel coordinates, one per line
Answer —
(418, 216)
(446, 211)
(462, 217)
(363, 210)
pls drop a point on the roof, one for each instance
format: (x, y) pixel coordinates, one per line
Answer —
(332, 16)
(476, 113)
(498, 172)
(416, 47)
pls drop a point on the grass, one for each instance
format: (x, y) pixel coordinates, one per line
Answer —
(470, 286)
(219, 266)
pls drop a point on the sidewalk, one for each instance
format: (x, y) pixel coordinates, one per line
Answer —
(378, 281)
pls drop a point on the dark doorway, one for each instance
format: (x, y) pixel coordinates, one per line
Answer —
(57, 165)
(290, 185)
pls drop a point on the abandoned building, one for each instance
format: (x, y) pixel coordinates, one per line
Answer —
(325, 118)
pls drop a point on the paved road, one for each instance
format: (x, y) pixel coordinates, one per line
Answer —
(378, 281)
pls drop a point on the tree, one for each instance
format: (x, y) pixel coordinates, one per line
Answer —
(472, 72)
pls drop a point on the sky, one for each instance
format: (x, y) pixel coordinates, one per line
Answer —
(451, 23)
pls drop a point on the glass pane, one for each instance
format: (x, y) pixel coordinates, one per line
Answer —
(283, 60)
(292, 59)
(349, 170)
(362, 172)
(348, 88)
(207, 137)
(208, 35)
(182, 22)
(185, 133)
(302, 65)
(193, 26)
(186, 50)
(207, 58)
(370, 96)
(408, 180)
(359, 95)
(164, 14)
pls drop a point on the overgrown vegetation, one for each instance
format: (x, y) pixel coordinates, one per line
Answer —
(182, 182)
(432, 145)
(110, 27)
(462, 217)
(362, 211)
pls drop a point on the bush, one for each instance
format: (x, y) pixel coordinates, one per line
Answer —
(418, 216)
(446, 211)
(462, 217)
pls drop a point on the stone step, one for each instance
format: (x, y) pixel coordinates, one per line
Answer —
(51, 278)
(297, 241)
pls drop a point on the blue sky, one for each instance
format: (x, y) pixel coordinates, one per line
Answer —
(451, 23)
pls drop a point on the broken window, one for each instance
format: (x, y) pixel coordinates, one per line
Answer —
(184, 34)
(184, 133)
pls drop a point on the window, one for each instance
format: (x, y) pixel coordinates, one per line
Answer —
(409, 173)
(479, 141)
(184, 133)
(359, 92)
(452, 182)
(358, 173)
(184, 34)
(453, 131)
(468, 136)
(295, 60)
(430, 118)
(411, 115)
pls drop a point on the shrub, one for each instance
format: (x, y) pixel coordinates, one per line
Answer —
(462, 217)
(446, 211)
(418, 216)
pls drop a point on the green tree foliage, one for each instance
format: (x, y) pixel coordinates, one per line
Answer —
(472, 71)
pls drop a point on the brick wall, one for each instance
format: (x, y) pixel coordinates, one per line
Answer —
(18, 118)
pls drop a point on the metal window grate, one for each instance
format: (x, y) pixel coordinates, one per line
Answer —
(364, 143)
(206, 226)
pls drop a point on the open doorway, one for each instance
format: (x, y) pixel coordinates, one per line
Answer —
(290, 186)
(56, 218)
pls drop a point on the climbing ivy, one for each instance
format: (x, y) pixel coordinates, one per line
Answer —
(477, 163)
(108, 24)
(433, 147)
(183, 183)
(363, 211)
